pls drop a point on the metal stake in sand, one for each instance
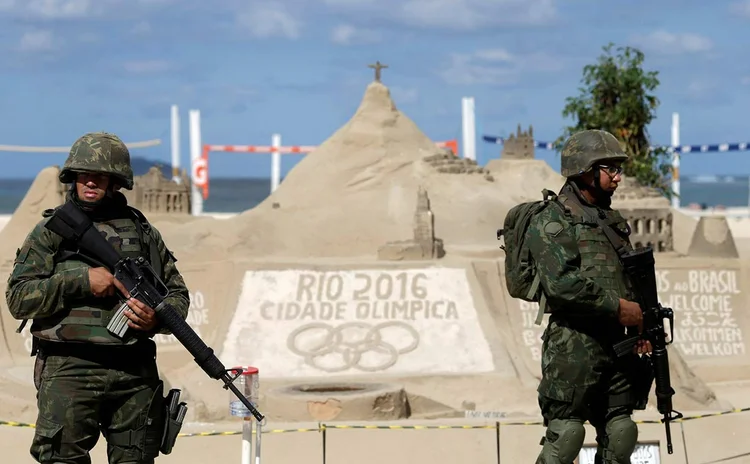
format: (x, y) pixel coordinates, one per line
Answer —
(249, 384)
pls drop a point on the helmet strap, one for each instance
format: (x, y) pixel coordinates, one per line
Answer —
(594, 188)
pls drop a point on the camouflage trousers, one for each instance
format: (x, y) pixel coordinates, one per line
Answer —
(583, 380)
(84, 390)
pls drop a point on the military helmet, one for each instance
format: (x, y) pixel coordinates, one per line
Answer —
(99, 152)
(584, 149)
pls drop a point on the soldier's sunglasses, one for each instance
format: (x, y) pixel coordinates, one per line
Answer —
(611, 170)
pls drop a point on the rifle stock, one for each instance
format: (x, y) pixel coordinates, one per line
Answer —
(137, 275)
(639, 265)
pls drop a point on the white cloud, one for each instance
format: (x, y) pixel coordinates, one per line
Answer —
(267, 19)
(705, 91)
(78, 9)
(57, 9)
(402, 95)
(494, 54)
(496, 67)
(452, 14)
(147, 66)
(37, 41)
(141, 28)
(346, 34)
(667, 43)
(741, 8)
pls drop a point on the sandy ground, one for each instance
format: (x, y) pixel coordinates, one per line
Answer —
(356, 192)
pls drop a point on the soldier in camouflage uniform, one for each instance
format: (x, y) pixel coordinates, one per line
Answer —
(88, 380)
(591, 308)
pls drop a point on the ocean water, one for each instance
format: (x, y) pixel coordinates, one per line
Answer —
(236, 195)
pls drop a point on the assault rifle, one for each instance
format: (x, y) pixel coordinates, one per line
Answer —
(139, 278)
(639, 265)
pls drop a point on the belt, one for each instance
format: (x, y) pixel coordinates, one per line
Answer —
(95, 351)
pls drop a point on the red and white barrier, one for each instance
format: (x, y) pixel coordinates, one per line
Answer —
(199, 158)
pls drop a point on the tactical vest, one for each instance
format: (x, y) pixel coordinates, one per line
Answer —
(599, 256)
(87, 320)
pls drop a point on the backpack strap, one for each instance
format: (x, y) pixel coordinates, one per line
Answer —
(548, 195)
(542, 299)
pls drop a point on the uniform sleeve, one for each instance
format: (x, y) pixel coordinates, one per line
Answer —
(34, 290)
(178, 297)
(554, 248)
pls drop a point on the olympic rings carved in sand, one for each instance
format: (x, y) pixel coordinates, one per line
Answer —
(363, 338)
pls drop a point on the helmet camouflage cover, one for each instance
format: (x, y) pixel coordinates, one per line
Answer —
(99, 152)
(584, 149)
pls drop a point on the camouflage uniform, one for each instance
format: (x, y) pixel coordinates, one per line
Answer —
(89, 381)
(583, 280)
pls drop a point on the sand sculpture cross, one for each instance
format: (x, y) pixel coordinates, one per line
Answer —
(377, 67)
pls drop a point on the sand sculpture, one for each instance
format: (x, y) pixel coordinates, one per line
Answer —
(297, 287)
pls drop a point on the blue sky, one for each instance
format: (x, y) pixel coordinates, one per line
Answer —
(299, 68)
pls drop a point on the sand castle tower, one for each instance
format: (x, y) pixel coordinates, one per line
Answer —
(648, 212)
(518, 164)
(424, 245)
(519, 146)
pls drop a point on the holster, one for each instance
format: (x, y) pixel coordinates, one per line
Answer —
(174, 415)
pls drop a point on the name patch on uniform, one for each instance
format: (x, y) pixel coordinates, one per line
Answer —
(553, 228)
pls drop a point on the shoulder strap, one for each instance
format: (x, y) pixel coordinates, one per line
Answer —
(548, 196)
(594, 214)
(617, 243)
(144, 231)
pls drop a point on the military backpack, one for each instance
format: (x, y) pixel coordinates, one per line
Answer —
(521, 277)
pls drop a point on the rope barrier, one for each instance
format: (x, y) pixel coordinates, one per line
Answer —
(710, 148)
(26, 149)
(321, 427)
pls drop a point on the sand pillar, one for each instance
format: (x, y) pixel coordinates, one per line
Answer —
(713, 239)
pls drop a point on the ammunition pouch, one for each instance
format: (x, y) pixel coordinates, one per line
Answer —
(174, 415)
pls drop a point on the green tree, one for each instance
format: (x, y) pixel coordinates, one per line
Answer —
(617, 96)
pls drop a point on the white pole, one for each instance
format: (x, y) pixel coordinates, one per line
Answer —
(247, 437)
(175, 144)
(464, 127)
(675, 160)
(195, 154)
(258, 432)
(275, 162)
(472, 130)
(469, 131)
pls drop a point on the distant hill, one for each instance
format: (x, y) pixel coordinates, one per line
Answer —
(142, 165)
